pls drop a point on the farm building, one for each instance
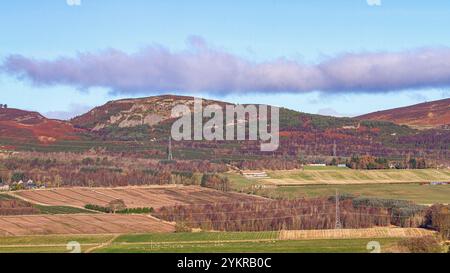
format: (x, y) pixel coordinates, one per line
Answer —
(254, 174)
(438, 183)
(317, 165)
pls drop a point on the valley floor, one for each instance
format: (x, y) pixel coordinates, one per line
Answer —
(214, 242)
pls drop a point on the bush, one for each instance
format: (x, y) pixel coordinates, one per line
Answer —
(182, 227)
(98, 208)
(427, 244)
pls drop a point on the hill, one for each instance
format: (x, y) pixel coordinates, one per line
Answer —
(435, 114)
(141, 126)
(25, 125)
(129, 113)
(145, 119)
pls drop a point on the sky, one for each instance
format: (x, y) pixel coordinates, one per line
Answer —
(344, 58)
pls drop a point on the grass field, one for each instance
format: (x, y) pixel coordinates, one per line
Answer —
(50, 244)
(421, 194)
(61, 210)
(320, 181)
(306, 246)
(204, 242)
(345, 176)
(208, 242)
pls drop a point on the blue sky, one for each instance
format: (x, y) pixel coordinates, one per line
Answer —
(257, 31)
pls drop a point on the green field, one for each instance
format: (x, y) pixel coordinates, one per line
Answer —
(306, 246)
(332, 175)
(324, 181)
(61, 210)
(49, 244)
(421, 194)
(207, 242)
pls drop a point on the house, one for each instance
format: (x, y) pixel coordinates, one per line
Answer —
(342, 166)
(30, 185)
(254, 174)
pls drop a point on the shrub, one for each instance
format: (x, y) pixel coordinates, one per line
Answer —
(427, 244)
(182, 227)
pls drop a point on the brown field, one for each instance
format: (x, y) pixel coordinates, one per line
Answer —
(134, 197)
(369, 233)
(80, 224)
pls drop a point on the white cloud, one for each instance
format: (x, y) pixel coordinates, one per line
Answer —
(374, 2)
(73, 2)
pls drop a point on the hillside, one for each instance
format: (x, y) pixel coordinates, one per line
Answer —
(140, 127)
(435, 114)
(128, 113)
(146, 119)
(20, 125)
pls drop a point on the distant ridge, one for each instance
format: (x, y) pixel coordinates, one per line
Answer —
(426, 115)
(20, 124)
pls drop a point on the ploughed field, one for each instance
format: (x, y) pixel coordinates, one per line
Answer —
(134, 197)
(80, 224)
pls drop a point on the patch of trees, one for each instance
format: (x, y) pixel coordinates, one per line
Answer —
(56, 170)
(427, 244)
(438, 218)
(119, 208)
(403, 213)
(297, 214)
(17, 207)
(215, 181)
(268, 164)
(373, 163)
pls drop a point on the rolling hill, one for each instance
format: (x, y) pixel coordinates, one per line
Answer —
(31, 126)
(435, 114)
(141, 127)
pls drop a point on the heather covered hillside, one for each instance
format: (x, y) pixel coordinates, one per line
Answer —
(434, 114)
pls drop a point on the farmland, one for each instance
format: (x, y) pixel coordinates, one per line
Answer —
(345, 176)
(324, 181)
(134, 197)
(80, 224)
(213, 242)
(421, 194)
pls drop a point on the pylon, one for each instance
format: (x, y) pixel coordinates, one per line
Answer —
(338, 224)
(169, 150)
